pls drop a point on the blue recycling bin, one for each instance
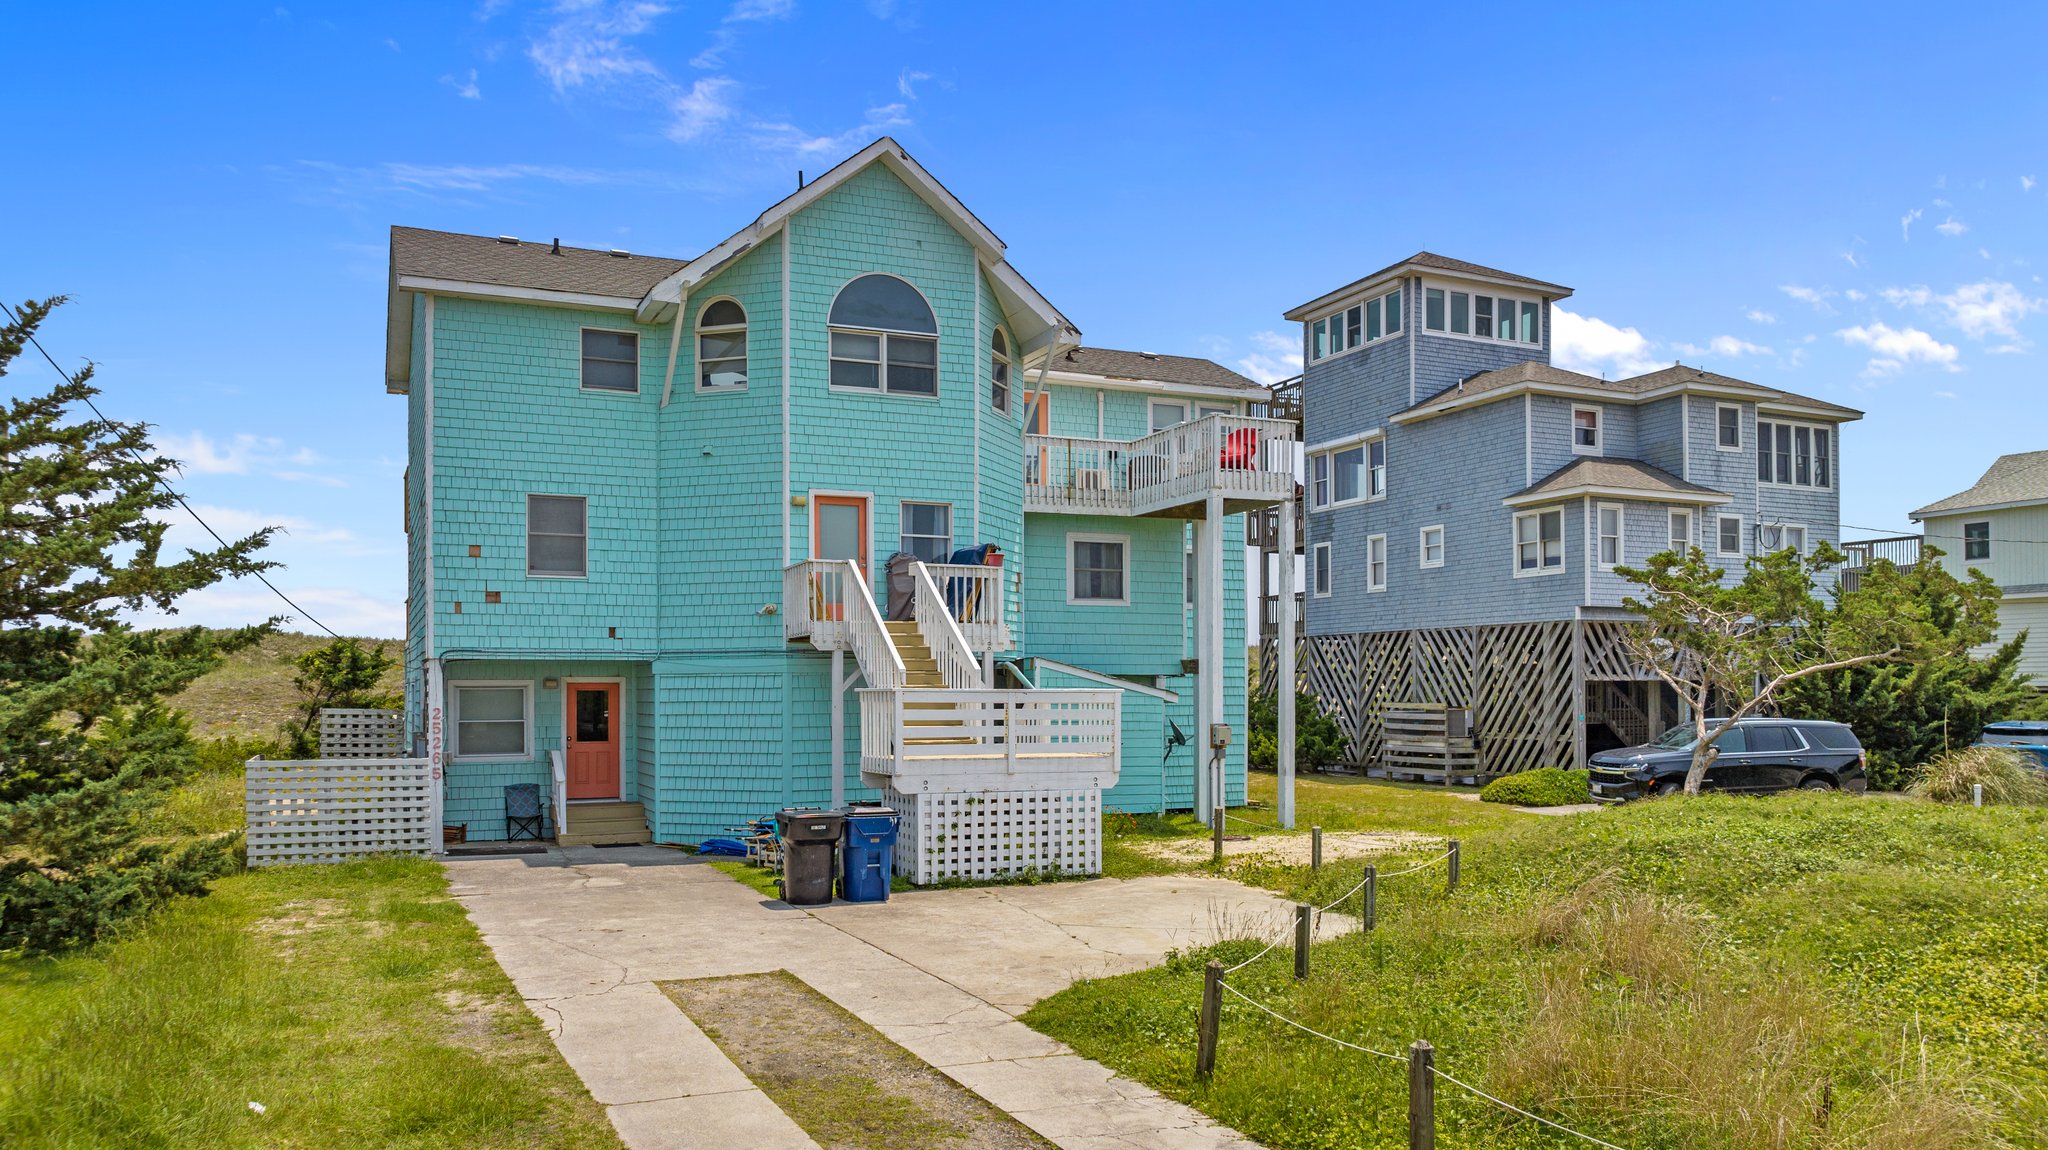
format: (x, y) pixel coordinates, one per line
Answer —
(867, 854)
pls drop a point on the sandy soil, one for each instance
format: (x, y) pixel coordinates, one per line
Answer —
(1293, 849)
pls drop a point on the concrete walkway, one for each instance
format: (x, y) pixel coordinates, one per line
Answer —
(586, 933)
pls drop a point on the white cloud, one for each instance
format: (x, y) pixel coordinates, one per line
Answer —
(1944, 395)
(1594, 346)
(1726, 346)
(728, 34)
(2026, 183)
(787, 137)
(1758, 315)
(1941, 203)
(1898, 347)
(465, 88)
(588, 42)
(1951, 227)
(198, 454)
(1854, 296)
(1982, 310)
(704, 107)
(1906, 223)
(907, 80)
(244, 601)
(1276, 356)
(1818, 297)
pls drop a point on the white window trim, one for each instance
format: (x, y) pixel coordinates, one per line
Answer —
(1963, 541)
(526, 533)
(635, 333)
(1008, 359)
(1599, 444)
(455, 687)
(1364, 444)
(1671, 530)
(1372, 541)
(1781, 528)
(1564, 558)
(1381, 293)
(1187, 412)
(902, 521)
(1422, 547)
(1834, 453)
(1718, 409)
(1718, 521)
(1471, 290)
(1074, 537)
(1620, 535)
(937, 336)
(697, 333)
(1320, 559)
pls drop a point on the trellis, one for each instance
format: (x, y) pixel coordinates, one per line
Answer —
(356, 733)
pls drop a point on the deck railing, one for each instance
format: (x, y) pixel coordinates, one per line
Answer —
(1900, 550)
(974, 597)
(560, 764)
(1244, 459)
(941, 633)
(828, 602)
(969, 734)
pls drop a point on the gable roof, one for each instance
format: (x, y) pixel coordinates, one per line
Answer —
(1624, 478)
(1430, 261)
(536, 265)
(1145, 366)
(1532, 376)
(2016, 479)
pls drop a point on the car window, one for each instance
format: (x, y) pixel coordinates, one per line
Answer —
(1733, 742)
(1832, 737)
(1767, 740)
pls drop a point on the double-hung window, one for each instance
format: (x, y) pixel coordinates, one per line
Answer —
(1349, 474)
(927, 530)
(1609, 521)
(1432, 546)
(1728, 535)
(1539, 542)
(1728, 427)
(1319, 569)
(1165, 414)
(1098, 569)
(884, 338)
(1585, 430)
(999, 371)
(1506, 318)
(722, 347)
(1976, 541)
(556, 539)
(1794, 454)
(611, 360)
(491, 721)
(1375, 563)
(1356, 325)
(1681, 532)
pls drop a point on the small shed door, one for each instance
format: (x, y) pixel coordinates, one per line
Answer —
(593, 740)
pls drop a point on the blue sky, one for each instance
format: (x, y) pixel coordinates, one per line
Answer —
(1839, 200)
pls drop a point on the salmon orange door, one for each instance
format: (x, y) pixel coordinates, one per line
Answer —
(593, 740)
(1037, 421)
(839, 531)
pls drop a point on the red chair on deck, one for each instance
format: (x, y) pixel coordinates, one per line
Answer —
(1241, 450)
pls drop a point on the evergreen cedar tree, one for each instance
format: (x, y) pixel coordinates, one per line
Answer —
(1318, 741)
(1732, 650)
(341, 673)
(87, 743)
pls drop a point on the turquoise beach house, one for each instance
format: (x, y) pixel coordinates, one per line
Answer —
(652, 505)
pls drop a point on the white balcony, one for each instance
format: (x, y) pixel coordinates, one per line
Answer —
(1170, 473)
(925, 741)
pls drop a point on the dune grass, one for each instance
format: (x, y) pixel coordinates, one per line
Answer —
(1799, 971)
(251, 693)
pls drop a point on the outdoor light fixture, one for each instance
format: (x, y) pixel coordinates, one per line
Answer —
(767, 609)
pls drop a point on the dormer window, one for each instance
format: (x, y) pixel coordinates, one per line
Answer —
(1358, 324)
(1511, 319)
(884, 338)
(1585, 430)
(722, 347)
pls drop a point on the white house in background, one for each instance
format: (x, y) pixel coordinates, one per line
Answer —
(2000, 527)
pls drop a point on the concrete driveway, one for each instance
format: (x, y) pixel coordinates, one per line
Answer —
(586, 933)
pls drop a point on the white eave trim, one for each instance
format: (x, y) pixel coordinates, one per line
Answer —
(1978, 509)
(1549, 293)
(1343, 441)
(1602, 491)
(524, 295)
(1454, 403)
(1110, 383)
(1105, 680)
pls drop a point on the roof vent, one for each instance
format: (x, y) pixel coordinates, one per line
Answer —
(621, 254)
(508, 239)
(1149, 354)
(557, 249)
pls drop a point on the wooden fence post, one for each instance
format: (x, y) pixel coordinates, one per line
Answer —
(1421, 1096)
(1303, 927)
(1208, 1021)
(1369, 910)
(1315, 849)
(1451, 881)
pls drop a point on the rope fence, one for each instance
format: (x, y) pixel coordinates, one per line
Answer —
(1421, 1057)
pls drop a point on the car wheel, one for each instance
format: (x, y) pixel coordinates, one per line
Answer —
(1816, 785)
(1664, 789)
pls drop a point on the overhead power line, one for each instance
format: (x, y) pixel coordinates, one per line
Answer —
(168, 489)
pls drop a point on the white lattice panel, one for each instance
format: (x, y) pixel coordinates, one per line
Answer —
(331, 810)
(347, 733)
(977, 835)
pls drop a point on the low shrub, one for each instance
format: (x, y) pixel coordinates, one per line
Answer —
(1318, 741)
(2008, 776)
(1543, 787)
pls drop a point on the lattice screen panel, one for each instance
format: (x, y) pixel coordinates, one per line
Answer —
(327, 810)
(998, 834)
(347, 733)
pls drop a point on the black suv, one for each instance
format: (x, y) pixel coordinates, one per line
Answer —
(1758, 756)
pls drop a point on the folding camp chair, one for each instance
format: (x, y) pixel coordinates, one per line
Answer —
(522, 811)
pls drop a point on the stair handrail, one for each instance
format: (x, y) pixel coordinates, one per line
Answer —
(560, 763)
(880, 663)
(942, 634)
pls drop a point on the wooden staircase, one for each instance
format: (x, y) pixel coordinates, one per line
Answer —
(604, 824)
(920, 670)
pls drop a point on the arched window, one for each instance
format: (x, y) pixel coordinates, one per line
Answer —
(884, 338)
(999, 371)
(722, 347)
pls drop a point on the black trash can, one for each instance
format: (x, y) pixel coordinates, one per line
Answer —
(869, 855)
(808, 838)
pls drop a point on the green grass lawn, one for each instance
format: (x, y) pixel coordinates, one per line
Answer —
(1797, 971)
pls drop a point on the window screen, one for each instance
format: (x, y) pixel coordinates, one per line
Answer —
(555, 535)
(490, 721)
(611, 360)
(1098, 570)
(928, 531)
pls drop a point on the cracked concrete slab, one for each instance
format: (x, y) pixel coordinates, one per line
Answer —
(586, 933)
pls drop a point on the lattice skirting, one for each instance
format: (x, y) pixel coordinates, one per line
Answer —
(335, 810)
(349, 733)
(998, 834)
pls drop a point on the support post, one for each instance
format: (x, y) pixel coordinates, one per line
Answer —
(437, 759)
(1209, 1019)
(1304, 926)
(1421, 1096)
(1368, 907)
(838, 729)
(1205, 617)
(1578, 631)
(1283, 658)
(1213, 676)
(1315, 849)
(1451, 877)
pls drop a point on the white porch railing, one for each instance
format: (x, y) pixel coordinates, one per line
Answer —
(974, 597)
(986, 739)
(828, 602)
(941, 633)
(560, 763)
(1242, 458)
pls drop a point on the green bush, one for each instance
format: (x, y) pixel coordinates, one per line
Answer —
(2008, 776)
(1544, 787)
(1318, 742)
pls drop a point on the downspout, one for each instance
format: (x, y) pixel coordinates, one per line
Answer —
(974, 397)
(788, 230)
(675, 340)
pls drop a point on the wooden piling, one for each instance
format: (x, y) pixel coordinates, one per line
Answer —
(1209, 1020)
(1421, 1096)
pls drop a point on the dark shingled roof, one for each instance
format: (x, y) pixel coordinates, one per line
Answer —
(528, 264)
(1530, 371)
(1160, 368)
(2018, 478)
(1617, 474)
(1436, 262)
